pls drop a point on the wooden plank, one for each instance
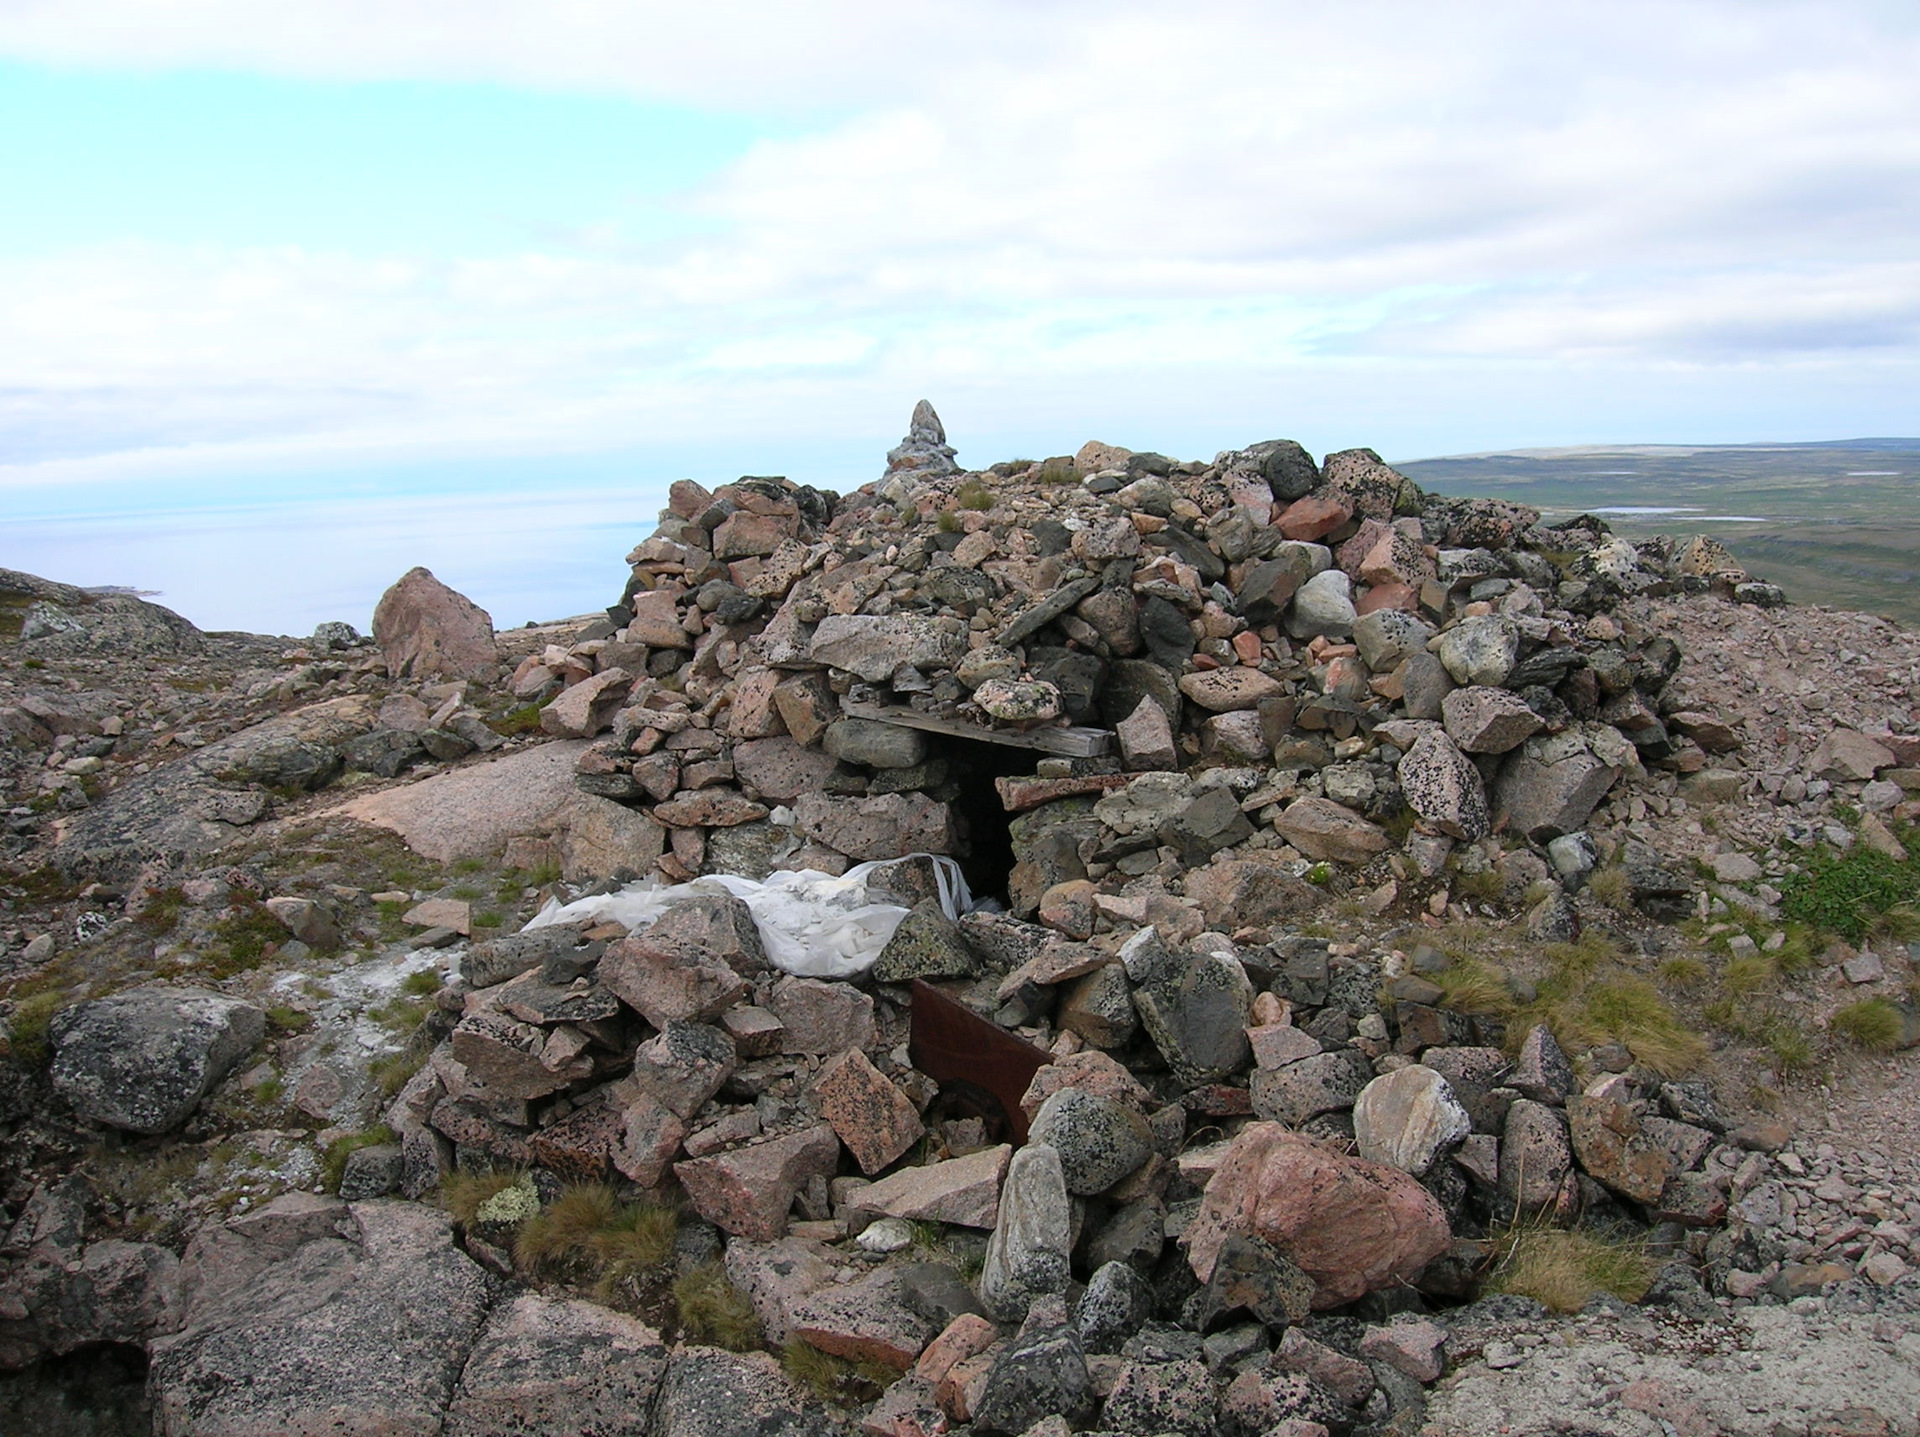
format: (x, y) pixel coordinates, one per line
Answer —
(1068, 742)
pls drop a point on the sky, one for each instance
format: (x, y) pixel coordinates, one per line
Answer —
(295, 296)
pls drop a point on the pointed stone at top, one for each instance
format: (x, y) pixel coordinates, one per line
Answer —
(926, 427)
(925, 450)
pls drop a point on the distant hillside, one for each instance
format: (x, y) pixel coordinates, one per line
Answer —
(1833, 522)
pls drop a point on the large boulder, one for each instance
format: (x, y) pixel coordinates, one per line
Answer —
(1323, 829)
(293, 1328)
(1099, 1140)
(747, 1190)
(1350, 1225)
(1481, 650)
(1549, 788)
(877, 828)
(471, 812)
(1488, 720)
(143, 1060)
(554, 1364)
(1198, 1020)
(710, 1393)
(873, 646)
(427, 631)
(62, 1296)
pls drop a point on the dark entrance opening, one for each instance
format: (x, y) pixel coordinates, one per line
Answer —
(99, 1390)
(972, 767)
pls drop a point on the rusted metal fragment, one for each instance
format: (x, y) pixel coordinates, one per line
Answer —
(962, 1051)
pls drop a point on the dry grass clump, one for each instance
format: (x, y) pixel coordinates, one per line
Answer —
(1589, 996)
(1749, 974)
(714, 1311)
(1486, 886)
(834, 1379)
(1683, 971)
(1872, 1023)
(587, 1232)
(1899, 924)
(1565, 1270)
(972, 494)
(1612, 887)
(1472, 986)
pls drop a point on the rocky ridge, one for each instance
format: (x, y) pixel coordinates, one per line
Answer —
(1346, 721)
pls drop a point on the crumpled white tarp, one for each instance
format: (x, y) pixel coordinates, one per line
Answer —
(812, 924)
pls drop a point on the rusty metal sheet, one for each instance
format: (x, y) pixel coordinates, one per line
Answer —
(959, 1049)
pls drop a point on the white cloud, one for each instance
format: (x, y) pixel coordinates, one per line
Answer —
(990, 194)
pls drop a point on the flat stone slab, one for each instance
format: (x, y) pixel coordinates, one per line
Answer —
(472, 812)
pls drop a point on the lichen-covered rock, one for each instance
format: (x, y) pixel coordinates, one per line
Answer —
(710, 1393)
(1032, 1237)
(545, 1364)
(1481, 650)
(1100, 1141)
(1443, 787)
(143, 1060)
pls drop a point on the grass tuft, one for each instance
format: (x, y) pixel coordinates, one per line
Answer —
(333, 1164)
(1683, 971)
(1753, 973)
(525, 719)
(1475, 987)
(819, 1372)
(834, 1380)
(1565, 1270)
(243, 939)
(393, 1071)
(972, 494)
(26, 1041)
(423, 984)
(1486, 886)
(588, 1233)
(1793, 1052)
(466, 1193)
(1589, 997)
(1899, 924)
(713, 1310)
(162, 912)
(1872, 1023)
(1612, 887)
(284, 1018)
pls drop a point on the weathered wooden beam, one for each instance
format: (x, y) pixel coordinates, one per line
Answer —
(1068, 742)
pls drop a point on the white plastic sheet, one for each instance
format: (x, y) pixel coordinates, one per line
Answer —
(812, 924)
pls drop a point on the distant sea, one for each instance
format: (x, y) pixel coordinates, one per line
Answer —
(281, 567)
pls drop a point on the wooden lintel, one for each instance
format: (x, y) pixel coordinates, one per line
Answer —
(1068, 742)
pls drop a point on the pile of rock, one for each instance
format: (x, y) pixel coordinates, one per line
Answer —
(1360, 666)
